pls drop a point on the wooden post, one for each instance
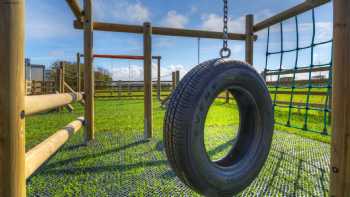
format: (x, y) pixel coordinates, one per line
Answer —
(12, 127)
(57, 80)
(147, 70)
(340, 153)
(78, 74)
(177, 77)
(89, 85)
(119, 88)
(173, 79)
(158, 78)
(62, 77)
(249, 40)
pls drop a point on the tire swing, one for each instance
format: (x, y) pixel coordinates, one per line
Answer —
(185, 121)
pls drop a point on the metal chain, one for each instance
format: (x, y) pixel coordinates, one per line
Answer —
(225, 48)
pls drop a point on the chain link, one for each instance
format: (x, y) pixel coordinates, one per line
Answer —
(225, 48)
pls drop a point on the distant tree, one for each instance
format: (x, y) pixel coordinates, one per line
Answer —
(102, 74)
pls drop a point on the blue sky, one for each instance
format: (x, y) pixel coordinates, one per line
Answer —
(50, 35)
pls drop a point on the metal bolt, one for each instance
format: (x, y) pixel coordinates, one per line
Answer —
(22, 114)
(335, 169)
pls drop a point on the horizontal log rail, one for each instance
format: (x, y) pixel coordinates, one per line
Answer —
(42, 103)
(315, 93)
(36, 156)
(292, 71)
(165, 31)
(294, 11)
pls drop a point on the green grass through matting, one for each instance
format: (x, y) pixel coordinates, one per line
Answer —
(121, 163)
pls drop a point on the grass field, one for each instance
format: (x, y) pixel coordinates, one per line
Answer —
(121, 163)
(315, 118)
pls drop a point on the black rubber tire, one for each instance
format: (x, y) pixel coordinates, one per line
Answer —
(184, 127)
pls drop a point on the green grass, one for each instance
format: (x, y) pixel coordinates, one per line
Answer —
(121, 163)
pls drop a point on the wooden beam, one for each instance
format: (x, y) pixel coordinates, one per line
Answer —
(37, 156)
(42, 103)
(12, 91)
(249, 41)
(147, 70)
(294, 11)
(340, 151)
(89, 86)
(165, 31)
(67, 86)
(74, 6)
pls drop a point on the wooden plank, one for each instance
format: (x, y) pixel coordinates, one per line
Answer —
(165, 31)
(285, 15)
(249, 41)
(89, 86)
(315, 93)
(340, 151)
(74, 6)
(12, 89)
(37, 156)
(147, 69)
(301, 70)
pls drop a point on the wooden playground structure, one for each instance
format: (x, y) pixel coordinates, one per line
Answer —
(16, 165)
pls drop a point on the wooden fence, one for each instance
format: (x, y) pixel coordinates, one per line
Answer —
(40, 87)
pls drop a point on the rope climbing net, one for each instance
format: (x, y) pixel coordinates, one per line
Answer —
(301, 92)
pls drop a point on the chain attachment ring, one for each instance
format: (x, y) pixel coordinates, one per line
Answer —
(223, 51)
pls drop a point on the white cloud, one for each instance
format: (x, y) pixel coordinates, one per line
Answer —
(213, 22)
(137, 12)
(121, 11)
(175, 20)
(47, 23)
(164, 42)
(56, 53)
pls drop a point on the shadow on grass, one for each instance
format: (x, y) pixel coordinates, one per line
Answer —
(221, 147)
(93, 155)
(105, 168)
(309, 178)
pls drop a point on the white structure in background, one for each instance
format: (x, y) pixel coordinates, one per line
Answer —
(34, 71)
